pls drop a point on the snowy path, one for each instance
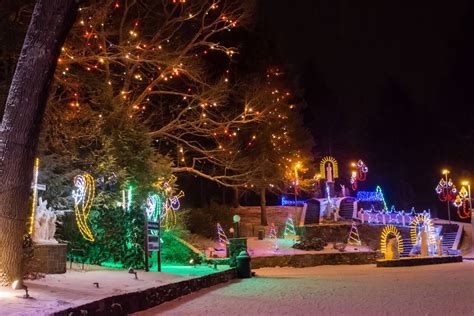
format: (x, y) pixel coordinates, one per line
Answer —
(337, 290)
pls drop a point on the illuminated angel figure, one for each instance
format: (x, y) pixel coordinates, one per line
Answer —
(170, 206)
(83, 197)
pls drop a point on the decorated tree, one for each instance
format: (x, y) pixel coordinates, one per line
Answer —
(276, 151)
(158, 71)
(353, 239)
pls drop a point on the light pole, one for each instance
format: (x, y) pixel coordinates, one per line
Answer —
(297, 166)
(446, 191)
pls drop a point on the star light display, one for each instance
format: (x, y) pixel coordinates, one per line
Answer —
(83, 197)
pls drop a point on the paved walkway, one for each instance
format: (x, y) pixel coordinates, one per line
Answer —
(337, 290)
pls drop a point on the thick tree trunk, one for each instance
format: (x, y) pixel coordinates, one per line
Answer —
(19, 130)
(235, 199)
(263, 207)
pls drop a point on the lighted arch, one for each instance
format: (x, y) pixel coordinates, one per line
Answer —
(387, 231)
(423, 220)
(322, 167)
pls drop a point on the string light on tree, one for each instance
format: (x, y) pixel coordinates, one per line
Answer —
(354, 239)
(35, 196)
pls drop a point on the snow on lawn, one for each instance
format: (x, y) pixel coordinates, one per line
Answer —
(266, 247)
(61, 291)
(444, 289)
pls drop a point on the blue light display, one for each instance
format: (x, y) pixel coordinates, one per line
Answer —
(285, 202)
(370, 196)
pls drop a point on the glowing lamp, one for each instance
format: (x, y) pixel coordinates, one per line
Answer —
(15, 286)
(445, 171)
(465, 183)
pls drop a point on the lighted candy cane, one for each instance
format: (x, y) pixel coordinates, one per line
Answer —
(222, 236)
(83, 197)
(273, 235)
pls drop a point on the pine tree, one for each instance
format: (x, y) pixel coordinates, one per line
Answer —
(354, 239)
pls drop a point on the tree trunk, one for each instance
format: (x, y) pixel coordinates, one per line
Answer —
(263, 208)
(235, 200)
(19, 130)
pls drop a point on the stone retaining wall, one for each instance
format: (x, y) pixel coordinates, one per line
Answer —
(417, 261)
(128, 303)
(50, 258)
(311, 260)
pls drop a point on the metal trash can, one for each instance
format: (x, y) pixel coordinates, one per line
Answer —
(243, 265)
(261, 234)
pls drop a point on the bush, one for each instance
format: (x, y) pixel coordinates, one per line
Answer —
(314, 243)
(203, 221)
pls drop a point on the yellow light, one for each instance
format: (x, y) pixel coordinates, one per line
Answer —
(445, 171)
(390, 230)
(465, 183)
(35, 196)
(83, 206)
(353, 164)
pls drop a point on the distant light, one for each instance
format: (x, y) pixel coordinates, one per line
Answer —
(465, 183)
(445, 171)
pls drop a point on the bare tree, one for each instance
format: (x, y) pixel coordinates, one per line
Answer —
(163, 64)
(50, 23)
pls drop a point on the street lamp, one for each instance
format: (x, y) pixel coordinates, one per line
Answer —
(446, 191)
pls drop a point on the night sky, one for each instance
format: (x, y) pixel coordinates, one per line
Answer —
(386, 81)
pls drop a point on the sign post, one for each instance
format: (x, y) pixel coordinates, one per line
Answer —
(153, 236)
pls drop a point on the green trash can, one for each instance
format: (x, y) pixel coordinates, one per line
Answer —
(243, 265)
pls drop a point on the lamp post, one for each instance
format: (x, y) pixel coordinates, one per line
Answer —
(297, 166)
(446, 191)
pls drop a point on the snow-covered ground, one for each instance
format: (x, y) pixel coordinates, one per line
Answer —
(61, 291)
(444, 289)
(267, 246)
(280, 246)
